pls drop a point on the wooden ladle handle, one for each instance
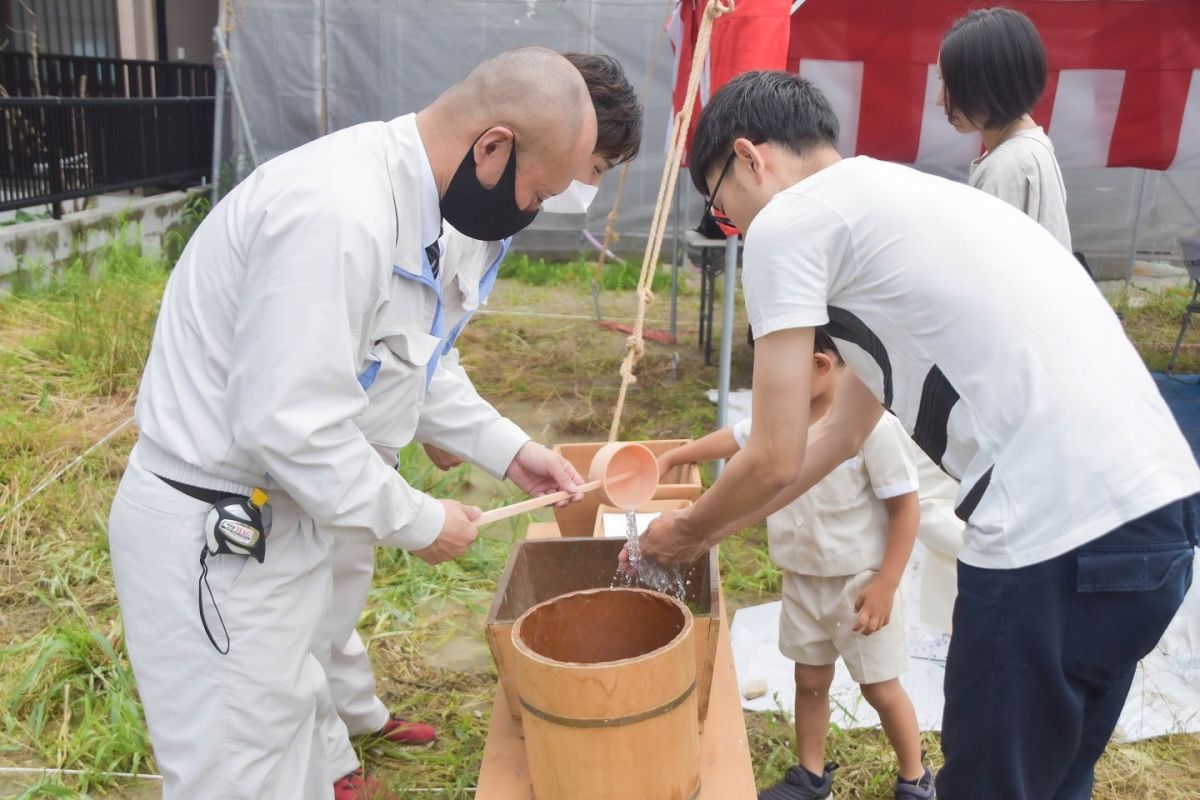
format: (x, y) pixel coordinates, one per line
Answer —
(534, 503)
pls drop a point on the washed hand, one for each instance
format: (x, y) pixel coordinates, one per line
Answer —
(668, 541)
(539, 470)
(458, 531)
(874, 606)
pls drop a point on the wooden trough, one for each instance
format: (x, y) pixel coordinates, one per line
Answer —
(680, 483)
(649, 507)
(541, 569)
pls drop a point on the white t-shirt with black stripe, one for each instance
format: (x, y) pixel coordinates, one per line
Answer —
(980, 332)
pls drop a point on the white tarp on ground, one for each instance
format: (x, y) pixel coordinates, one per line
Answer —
(1165, 697)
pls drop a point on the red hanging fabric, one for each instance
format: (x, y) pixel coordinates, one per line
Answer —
(1123, 88)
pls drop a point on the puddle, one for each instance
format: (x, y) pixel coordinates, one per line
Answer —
(464, 651)
(483, 490)
(458, 642)
(543, 419)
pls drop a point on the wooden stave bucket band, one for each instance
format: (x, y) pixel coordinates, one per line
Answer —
(578, 753)
(612, 722)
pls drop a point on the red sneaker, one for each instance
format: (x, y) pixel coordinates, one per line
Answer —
(401, 731)
(359, 786)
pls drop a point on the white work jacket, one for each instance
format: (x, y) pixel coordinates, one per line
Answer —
(441, 406)
(306, 274)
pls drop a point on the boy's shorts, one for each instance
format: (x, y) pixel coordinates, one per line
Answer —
(816, 625)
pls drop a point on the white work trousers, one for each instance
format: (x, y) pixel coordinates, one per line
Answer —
(342, 653)
(251, 724)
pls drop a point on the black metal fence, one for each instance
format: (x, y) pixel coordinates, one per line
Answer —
(61, 26)
(54, 149)
(87, 76)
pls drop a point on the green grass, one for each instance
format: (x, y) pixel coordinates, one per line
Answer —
(70, 356)
(74, 699)
(614, 276)
(22, 216)
(71, 352)
(747, 572)
(1153, 325)
(107, 307)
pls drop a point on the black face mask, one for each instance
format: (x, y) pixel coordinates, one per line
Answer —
(485, 214)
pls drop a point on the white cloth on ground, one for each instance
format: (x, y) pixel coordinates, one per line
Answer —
(1163, 699)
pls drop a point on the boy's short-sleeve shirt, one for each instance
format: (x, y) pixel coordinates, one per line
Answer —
(840, 525)
(979, 331)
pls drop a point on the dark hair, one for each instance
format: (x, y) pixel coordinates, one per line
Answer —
(993, 65)
(823, 343)
(764, 106)
(618, 112)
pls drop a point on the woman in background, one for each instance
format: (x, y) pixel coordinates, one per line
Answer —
(993, 69)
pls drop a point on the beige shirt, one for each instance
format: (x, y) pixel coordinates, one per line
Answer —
(1023, 172)
(840, 526)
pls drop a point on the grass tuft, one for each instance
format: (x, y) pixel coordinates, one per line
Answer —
(74, 700)
(1152, 323)
(615, 276)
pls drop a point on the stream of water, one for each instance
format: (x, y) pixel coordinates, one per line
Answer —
(652, 576)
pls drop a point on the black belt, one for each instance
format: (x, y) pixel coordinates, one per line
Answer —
(213, 497)
(210, 496)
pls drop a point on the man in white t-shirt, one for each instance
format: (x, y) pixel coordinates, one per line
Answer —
(1076, 483)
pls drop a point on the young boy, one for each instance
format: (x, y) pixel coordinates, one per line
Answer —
(977, 329)
(843, 547)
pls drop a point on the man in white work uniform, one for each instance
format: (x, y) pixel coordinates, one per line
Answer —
(292, 293)
(1077, 486)
(453, 420)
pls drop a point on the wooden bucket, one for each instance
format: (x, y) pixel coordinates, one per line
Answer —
(607, 683)
(542, 569)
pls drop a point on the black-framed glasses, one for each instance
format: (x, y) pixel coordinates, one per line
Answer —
(719, 217)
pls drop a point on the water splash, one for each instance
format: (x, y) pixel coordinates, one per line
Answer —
(648, 573)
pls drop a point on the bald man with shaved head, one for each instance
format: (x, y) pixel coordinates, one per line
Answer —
(516, 100)
(315, 282)
(475, 431)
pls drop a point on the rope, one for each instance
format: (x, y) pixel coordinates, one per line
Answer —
(635, 345)
(145, 776)
(228, 17)
(610, 230)
(62, 470)
(487, 312)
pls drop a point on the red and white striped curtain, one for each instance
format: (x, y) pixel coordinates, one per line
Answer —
(753, 36)
(1123, 88)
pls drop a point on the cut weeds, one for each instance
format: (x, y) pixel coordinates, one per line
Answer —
(71, 355)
